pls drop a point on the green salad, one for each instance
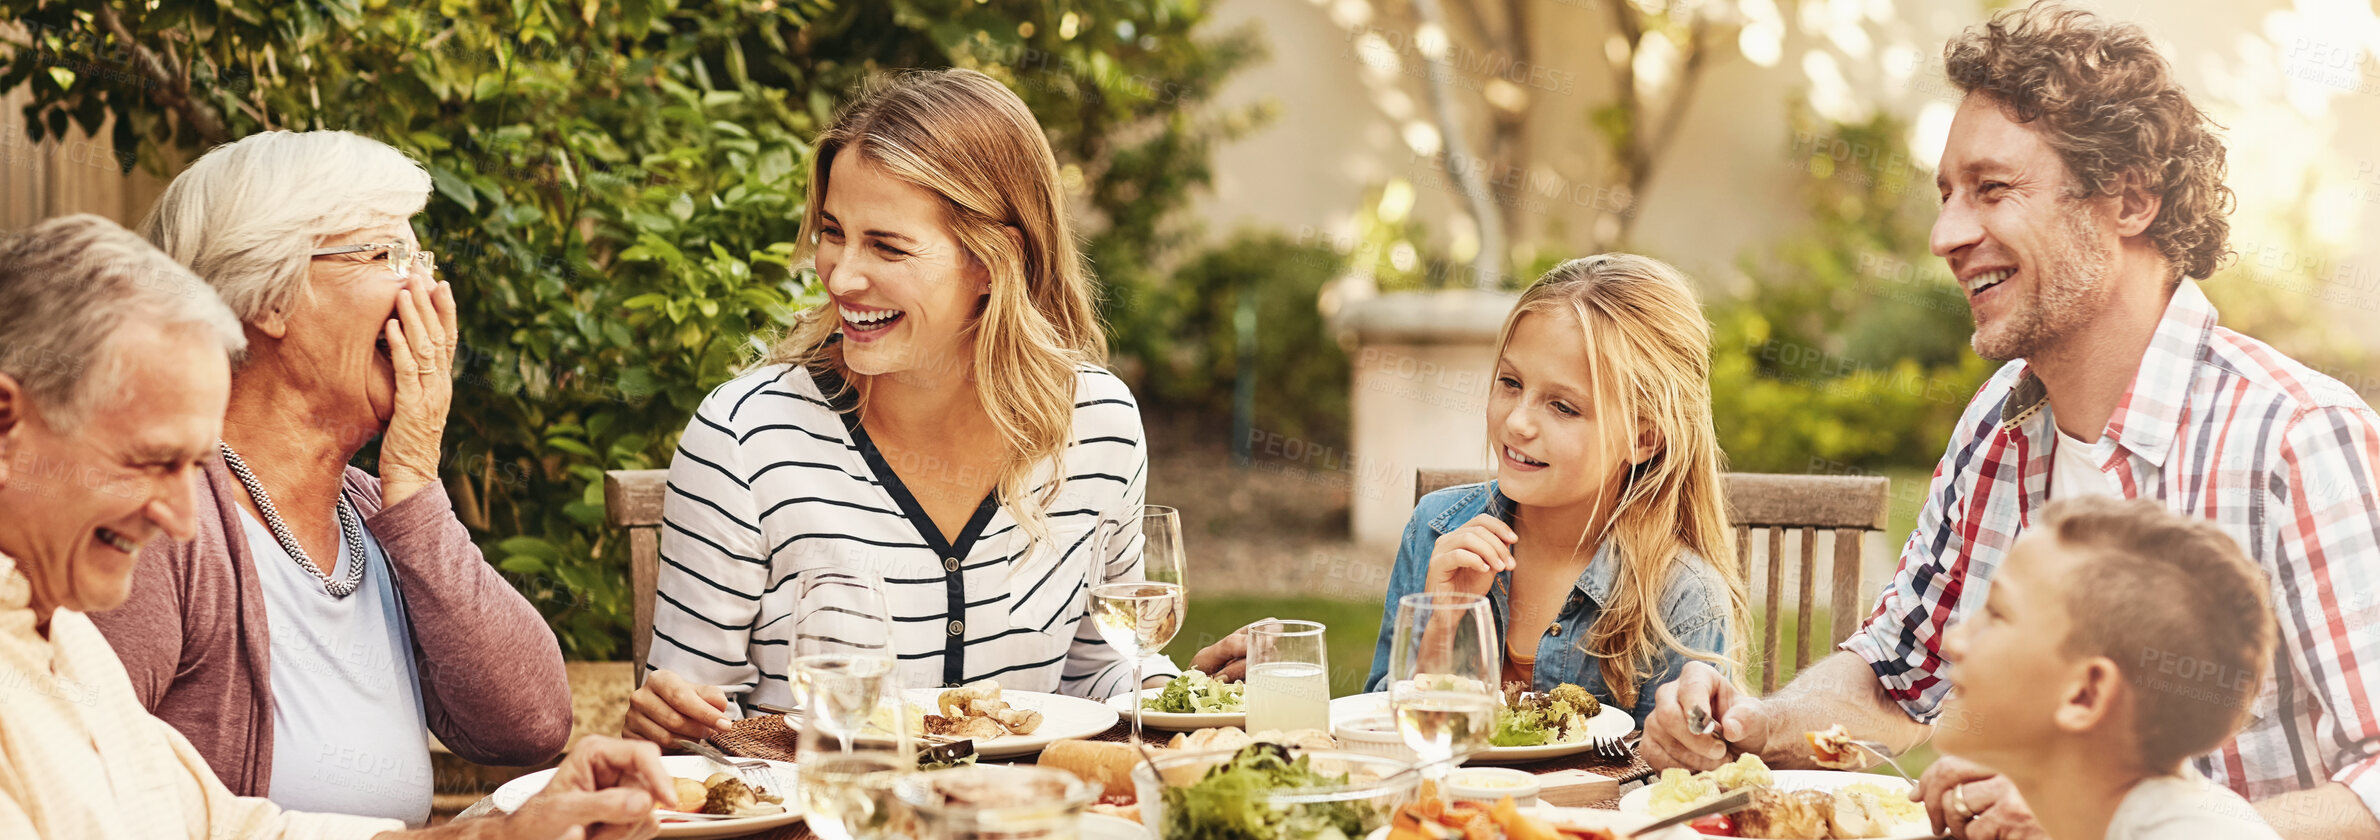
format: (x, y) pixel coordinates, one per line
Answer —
(1530, 719)
(1195, 693)
(1230, 801)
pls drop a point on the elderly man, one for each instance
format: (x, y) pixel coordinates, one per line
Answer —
(323, 615)
(2082, 197)
(114, 372)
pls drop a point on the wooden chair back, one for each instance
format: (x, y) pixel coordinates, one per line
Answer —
(1849, 506)
(632, 501)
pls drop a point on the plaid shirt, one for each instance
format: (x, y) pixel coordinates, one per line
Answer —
(2217, 425)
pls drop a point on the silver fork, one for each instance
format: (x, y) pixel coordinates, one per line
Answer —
(1880, 751)
(755, 773)
(1613, 749)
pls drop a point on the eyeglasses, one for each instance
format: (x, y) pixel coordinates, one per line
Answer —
(401, 257)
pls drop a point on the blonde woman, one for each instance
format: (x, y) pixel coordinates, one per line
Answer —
(942, 422)
(1602, 543)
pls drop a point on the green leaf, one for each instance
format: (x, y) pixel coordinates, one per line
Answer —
(453, 187)
(523, 565)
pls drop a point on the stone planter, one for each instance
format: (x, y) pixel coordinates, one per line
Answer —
(1423, 362)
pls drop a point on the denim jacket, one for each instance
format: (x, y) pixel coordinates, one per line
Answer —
(1693, 601)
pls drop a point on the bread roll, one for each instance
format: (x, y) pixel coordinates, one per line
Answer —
(1109, 764)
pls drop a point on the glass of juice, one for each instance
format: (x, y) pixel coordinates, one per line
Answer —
(1288, 676)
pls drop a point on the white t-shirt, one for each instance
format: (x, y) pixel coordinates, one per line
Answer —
(349, 731)
(2186, 807)
(2074, 472)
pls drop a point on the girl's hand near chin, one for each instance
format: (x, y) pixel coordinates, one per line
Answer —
(1467, 559)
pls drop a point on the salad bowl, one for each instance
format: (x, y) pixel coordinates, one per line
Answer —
(1270, 792)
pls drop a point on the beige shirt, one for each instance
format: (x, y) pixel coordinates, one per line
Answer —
(80, 758)
(2185, 807)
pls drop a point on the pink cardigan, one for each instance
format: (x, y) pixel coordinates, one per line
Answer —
(193, 637)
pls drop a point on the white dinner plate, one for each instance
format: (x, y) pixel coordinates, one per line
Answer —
(1638, 801)
(1063, 718)
(1611, 722)
(1104, 827)
(509, 798)
(1586, 818)
(1175, 721)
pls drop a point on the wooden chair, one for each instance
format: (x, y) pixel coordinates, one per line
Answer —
(1850, 506)
(632, 501)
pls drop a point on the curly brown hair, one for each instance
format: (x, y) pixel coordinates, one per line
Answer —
(2103, 98)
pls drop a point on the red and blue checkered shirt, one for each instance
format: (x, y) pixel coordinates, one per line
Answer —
(2216, 425)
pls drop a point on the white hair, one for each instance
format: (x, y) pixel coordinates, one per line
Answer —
(245, 214)
(68, 287)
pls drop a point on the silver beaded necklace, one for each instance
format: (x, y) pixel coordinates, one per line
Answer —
(350, 526)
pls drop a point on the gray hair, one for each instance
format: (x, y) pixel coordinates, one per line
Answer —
(245, 213)
(68, 287)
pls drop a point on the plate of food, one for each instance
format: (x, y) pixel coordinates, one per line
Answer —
(1530, 726)
(1190, 702)
(1428, 817)
(1104, 827)
(1005, 724)
(1788, 803)
(703, 788)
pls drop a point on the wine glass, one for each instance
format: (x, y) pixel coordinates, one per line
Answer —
(1443, 673)
(1138, 618)
(849, 782)
(842, 649)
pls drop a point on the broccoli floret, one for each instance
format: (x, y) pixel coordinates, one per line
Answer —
(1580, 702)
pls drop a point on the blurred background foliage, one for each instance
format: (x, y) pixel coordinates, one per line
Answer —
(619, 187)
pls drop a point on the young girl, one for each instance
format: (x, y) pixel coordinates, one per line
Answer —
(1603, 543)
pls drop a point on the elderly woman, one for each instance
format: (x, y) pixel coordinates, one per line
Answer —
(114, 372)
(942, 422)
(323, 616)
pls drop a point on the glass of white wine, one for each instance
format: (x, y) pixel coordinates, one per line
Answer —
(849, 783)
(842, 649)
(1138, 618)
(1443, 674)
(1288, 676)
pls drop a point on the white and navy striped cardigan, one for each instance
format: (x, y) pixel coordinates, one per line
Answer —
(772, 481)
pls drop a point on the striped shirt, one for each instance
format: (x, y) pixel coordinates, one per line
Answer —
(772, 481)
(2218, 426)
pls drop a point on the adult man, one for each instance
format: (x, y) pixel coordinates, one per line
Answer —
(114, 372)
(2082, 195)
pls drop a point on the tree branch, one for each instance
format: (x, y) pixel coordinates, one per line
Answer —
(163, 88)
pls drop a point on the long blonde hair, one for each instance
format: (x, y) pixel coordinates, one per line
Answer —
(962, 136)
(1648, 357)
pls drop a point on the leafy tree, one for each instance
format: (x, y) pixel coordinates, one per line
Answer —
(619, 186)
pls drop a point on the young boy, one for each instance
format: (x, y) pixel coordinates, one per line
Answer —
(2116, 643)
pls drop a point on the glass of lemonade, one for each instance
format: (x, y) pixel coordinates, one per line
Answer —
(993, 802)
(1288, 676)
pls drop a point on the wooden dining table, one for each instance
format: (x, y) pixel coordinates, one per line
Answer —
(767, 737)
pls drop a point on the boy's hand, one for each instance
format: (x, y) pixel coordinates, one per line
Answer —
(1468, 558)
(1969, 801)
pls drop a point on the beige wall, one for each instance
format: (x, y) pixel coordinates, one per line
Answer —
(56, 177)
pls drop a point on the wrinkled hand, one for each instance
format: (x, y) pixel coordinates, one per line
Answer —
(1670, 740)
(668, 707)
(604, 790)
(421, 346)
(1467, 559)
(1227, 660)
(1994, 810)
